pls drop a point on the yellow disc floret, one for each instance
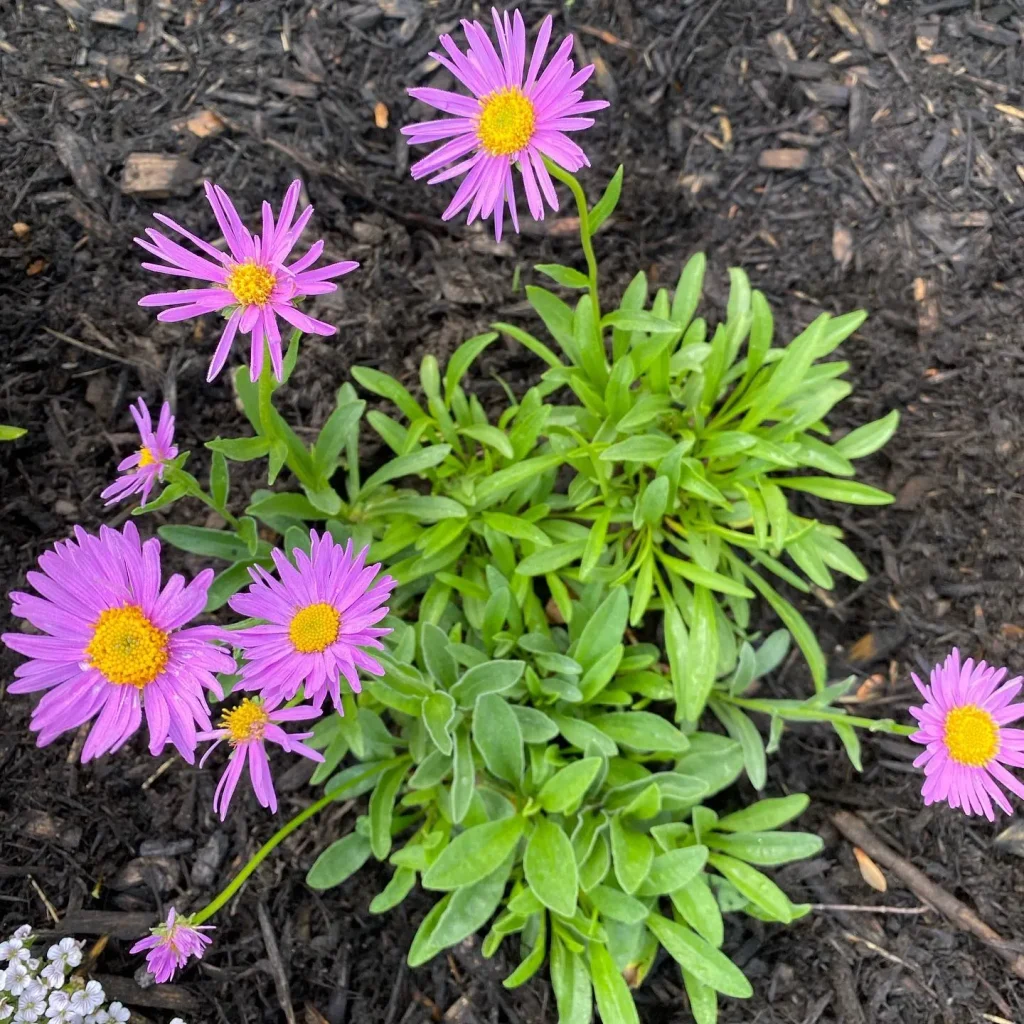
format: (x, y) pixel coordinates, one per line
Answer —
(972, 735)
(506, 123)
(146, 458)
(246, 722)
(251, 283)
(315, 627)
(126, 647)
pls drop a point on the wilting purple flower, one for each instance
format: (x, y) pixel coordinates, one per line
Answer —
(963, 725)
(319, 616)
(509, 120)
(114, 647)
(251, 281)
(248, 727)
(143, 469)
(171, 944)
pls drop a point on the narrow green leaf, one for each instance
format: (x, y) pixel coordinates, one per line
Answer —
(490, 677)
(240, 449)
(414, 464)
(615, 905)
(765, 815)
(497, 737)
(550, 867)
(767, 849)
(198, 540)
(869, 438)
(462, 359)
(641, 730)
(387, 387)
(463, 776)
(394, 892)
(508, 479)
(632, 855)
(382, 806)
(605, 207)
(848, 491)
(758, 888)
(490, 436)
(570, 978)
(517, 527)
(342, 858)
(562, 793)
(565, 276)
(745, 733)
(614, 1000)
(700, 958)
(674, 870)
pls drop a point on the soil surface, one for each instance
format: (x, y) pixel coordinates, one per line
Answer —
(846, 154)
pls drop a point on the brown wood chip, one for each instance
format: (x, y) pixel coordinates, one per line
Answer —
(115, 19)
(991, 33)
(783, 159)
(158, 175)
(828, 94)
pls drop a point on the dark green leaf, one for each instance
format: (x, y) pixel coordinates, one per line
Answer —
(387, 387)
(342, 858)
(198, 540)
(240, 449)
(639, 448)
(394, 892)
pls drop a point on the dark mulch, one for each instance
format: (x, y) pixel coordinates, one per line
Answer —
(907, 198)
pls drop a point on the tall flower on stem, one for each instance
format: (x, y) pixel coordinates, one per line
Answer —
(319, 616)
(251, 282)
(114, 647)
(516, 116)
(172, 944)
(146, 466)
(967, 745)
(247, 728)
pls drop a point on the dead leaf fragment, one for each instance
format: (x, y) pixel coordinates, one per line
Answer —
(870, 871)
(842, 245)
(380, 115)
(20, 229)
(36, 267)
(204, 124)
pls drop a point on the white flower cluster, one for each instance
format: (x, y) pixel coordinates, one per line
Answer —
(33, 990)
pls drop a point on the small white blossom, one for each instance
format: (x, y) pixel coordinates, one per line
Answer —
(9, 947)
(18, 978)
(89, 999)
(177, 1020)
(23, 932)
(6, 1009)
(32, 1004)
(121, 1014)
(67, 953)
(57, 1001)
(53, 975)
(64, 1016)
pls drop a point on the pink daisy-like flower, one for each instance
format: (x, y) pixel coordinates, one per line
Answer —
(143, 469)
(517, 115)
(319, 616)
(114, 647)
(171, 944)
(963, 726)
(248, 727)
(251, 280)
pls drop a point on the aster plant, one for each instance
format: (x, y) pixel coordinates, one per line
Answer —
(465, 634)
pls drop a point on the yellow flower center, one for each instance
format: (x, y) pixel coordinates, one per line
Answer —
(972, 735)
(127, 648)
(315, 627)
(251, 283)
(246, 722)
(146, 458)
(506, 123)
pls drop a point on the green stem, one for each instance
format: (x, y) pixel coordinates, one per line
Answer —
(279, 837)
(804, 714)
(266, 391)
(585, 236)
(219, 509)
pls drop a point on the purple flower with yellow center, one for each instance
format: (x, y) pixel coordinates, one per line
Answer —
(113, 647)
(248, 727)
(143, 469)
(963, 727)
(171, 944)
(318, 618)
(516, 116)
(251, 282)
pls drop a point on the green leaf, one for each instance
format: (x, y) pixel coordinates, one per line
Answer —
(697, 905)
(639, 448)
(426, 508)
(517, 527)
(615, 905)
(837, 330)
(550, 867)
(562, 793)
(702, 654)
(438, 711)
(641, 730)
(531, 963)
(490, 436)
(472, 906)
(745, 733)
(703, 1000)
(565, 276)
(534, 725)
(758, 888)
(198, 540)
(461, 360)
(423, 948)
(294, 506)
(632, 855)
(463, 776)
(240, 449)
(674, 870)
(583, 735)
(334, 435)
(508, 479)
(602, 210)
(220, 481)
(700, 958)
(705, 577)
(557, 317)
(171, 493)
(848, 491)
(490, 677)
(570, 979)
(614, 1000)
(604, 629)
(497, 737)
(226, 584)
(473, 854)
(688, 290)
(869, 438)
(767, 849)
(342, 858)
(394, 892)
(382, 806)
(551, 559)
(387, 387)
(638, 320)
(769, 655)
(8, 433)
(765, 814)
(413, 464)
(851, 743)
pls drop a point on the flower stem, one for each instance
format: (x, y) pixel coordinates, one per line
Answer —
(279, 837)
(585, 237)
(810, 714)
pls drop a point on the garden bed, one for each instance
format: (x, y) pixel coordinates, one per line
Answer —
(906, 201)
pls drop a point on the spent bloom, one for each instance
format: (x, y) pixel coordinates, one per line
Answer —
(247, 728)
(517, 115)
(145, 467)
(171, 944)
(319, 616)
(251, 282)
(967, 745)
(114, 647)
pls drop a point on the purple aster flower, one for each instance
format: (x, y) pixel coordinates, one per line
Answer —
(509, 120)
(143, 469)
(319, 616)
(114, 647)
(963, 726)
(171, 944)
(251, 282)
(247, 728)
